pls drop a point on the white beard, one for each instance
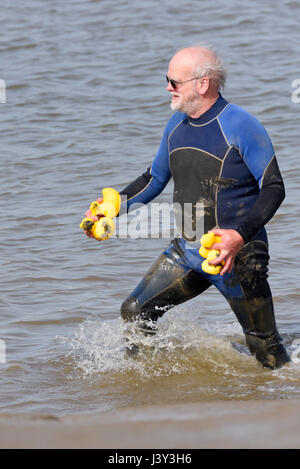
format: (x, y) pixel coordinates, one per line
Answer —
(189, 107)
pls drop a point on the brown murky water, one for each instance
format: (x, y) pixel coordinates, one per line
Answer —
(85, 108)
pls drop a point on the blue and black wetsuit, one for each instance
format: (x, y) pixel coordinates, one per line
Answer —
(224, 168)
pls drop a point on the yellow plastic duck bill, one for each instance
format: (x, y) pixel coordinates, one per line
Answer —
(207, 241)
(103, 228)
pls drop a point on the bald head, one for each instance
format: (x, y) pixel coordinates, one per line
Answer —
(194, 56)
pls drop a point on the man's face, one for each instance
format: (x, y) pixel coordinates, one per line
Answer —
(185, 97)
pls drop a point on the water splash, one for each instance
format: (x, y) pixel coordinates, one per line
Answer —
(184, 361)
(180, 346)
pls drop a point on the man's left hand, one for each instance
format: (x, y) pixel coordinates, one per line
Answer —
(229, 247)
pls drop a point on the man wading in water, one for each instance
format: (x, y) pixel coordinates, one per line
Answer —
(222, 158)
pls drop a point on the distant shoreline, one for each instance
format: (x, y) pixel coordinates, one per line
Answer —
(213, 424)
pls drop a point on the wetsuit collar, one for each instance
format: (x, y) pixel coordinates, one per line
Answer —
(211, 113)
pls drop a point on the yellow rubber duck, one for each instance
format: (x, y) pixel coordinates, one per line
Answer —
(207, 241)
(103, 228)
(110, 206)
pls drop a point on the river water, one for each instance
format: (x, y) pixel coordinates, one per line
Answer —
(85, 108)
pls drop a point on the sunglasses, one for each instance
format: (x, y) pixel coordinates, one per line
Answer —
(175, 84)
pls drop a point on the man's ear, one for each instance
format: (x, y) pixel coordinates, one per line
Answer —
(203, 85)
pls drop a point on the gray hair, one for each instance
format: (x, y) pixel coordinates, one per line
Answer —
(214, 68)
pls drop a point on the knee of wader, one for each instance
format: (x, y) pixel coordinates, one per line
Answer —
(268, 350)
(131, 309)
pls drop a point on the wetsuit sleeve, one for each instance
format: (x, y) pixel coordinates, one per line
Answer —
(270, 197)
(246, 133)
(152, 182)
